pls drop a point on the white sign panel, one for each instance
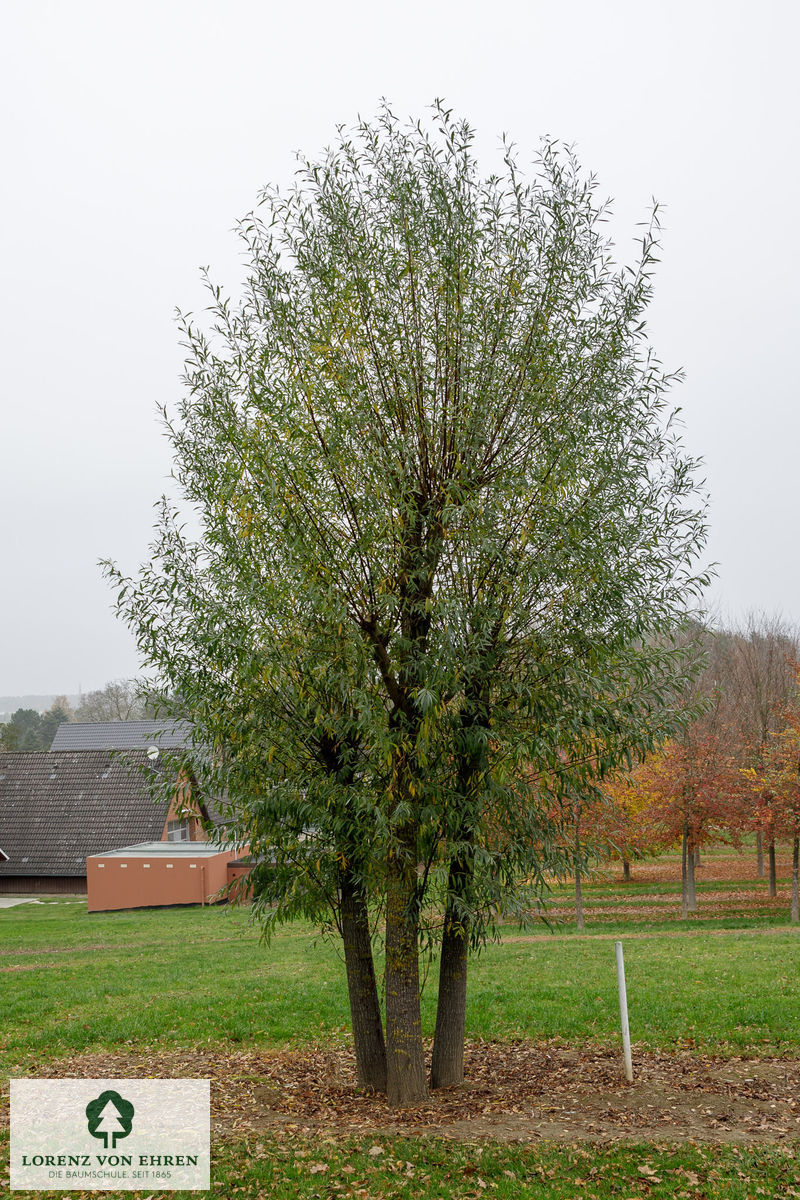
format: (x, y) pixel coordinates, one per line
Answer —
(103, 1134)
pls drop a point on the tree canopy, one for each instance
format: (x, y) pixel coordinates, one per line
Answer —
(119, 700)
(31, 730)
(448, 537)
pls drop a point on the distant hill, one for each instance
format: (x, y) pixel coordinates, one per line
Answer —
(10, 704)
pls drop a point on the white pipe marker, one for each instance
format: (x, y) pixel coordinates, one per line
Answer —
(623, 1014)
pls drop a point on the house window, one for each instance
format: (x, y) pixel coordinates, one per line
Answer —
(178, 831)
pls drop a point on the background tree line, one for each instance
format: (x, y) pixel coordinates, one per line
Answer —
(119, 700)
(734, 771)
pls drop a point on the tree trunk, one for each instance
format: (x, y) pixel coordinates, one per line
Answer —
(773, 877)
(697, 862)
(626, 869)
(365, 1009)
(795, 892)
(406, 1083)
(447, 1063)
(405, 1059)
(759, 855)
(684, 872)
(691, 894)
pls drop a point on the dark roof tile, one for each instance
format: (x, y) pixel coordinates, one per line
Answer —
(56, 808)
(122, 735)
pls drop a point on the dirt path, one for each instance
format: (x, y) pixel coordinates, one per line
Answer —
(519, 1092)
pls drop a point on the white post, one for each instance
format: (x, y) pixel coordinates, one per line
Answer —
(623, 1014)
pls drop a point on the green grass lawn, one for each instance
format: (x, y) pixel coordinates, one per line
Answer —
(725, 983)
(428, 1167)
(277, 1168)
(181, 976)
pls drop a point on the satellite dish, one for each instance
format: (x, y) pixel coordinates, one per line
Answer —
(152, 753)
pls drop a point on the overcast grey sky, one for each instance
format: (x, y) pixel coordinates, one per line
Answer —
(135, 135)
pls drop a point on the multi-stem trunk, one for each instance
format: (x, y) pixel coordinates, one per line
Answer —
(447, 1063)
(773, 875)
(795, 890)
(365, 1009)
(405, 1059)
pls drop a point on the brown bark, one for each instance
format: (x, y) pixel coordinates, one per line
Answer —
(759, 855)
(365, 1009)
(447, 1063)
(626, 869)
(697, 862)
(405, 1059)
(773, 877)
(795, 873)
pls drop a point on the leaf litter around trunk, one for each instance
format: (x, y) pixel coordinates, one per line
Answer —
(517, 1091)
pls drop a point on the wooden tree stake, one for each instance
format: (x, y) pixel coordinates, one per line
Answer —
(623, 1014)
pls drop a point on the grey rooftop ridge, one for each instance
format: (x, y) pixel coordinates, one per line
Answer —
(122, 735)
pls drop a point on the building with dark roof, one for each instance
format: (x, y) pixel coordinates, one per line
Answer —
(57, 808)
(122, 735)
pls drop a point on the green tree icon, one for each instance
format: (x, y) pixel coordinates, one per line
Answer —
(109, 1117)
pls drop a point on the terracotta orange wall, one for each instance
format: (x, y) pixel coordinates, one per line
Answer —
(183, 804)
(243, 889)
(126, 882)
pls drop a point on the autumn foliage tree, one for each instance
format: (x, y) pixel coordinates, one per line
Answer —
(627, 822)
(755, 668)
(695, 791)
(775, 788)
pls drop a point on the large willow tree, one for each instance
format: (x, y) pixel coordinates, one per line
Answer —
(447, 536)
